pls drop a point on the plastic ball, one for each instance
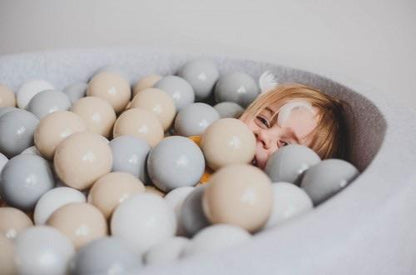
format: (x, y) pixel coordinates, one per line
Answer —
(108, 255)
(175, 199)
(228, 141)
(80, 222)
(29, 89)
(202, 74)
(5, 110)
(229, 109)
(7, 97)
(12, 222)
(139, 123)
(178, 88)
(47, 102)
(32, 150)
(129, 155)
(43, 250)
(289, 201)
(193, 119)
(76, 91)
(175, 162)
(54, 199)
(165, 251)
(327, 178)
(290, 162)
(25, 178)
(54, 128)
(145, 83)
(143, 220)
(112, 87)
(97, 114)
(3, 161)
(112, 189)
(82, 158)
(216, 238)
(7, 256)
(112, 68)
(191, 216)
(16, 131)
(153, 190)
(158, 102)
(236, 87)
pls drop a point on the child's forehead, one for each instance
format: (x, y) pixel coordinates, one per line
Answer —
(274, 107)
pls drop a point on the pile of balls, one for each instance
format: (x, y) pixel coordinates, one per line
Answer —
(103, 178)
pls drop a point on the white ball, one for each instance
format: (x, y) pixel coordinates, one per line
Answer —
(43, 250)
(288, 201)
(54, 199)
(165, 251)
(215, 238)
(3, 161)
(32, 150)
(143, 220)
(175, 199)
(29, 89)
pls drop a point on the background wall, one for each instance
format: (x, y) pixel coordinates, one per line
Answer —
(370, 41)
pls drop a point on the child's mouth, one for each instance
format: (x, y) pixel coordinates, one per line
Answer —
(254, 161)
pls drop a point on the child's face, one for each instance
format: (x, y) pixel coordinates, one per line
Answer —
(294, 121)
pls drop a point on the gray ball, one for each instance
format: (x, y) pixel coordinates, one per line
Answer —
(192, 215)
(236, 87)
(5, 110)
(76, 91)
(47, 102)
(16, 131)
(107, 255)
(178, 88)
(24, 179)
(202, 74)
(229, 109)
(327, 178)
(193, 119)
(129, 155)
(290, 162)
(175, 162)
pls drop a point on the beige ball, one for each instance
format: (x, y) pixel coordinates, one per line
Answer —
(82, 158)
(7, 97)
(54, 128)
(240, 195)
(228, 141)
(145, 82)
(112, 189)
(112, 87)
(139, 123)
(158, 102)
(13, 221)
(154, 190)
(80, 222)
(97, 113)
(7, 256)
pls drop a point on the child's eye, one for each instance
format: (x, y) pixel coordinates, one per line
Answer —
(263, 121)
(283, 143)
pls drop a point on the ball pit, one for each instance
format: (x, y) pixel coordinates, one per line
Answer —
(373, 201)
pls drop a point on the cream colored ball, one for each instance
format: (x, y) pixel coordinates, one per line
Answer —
(239, 194)
(8, 263)
(97, 113)
(228, 141)
(82, 158)
(145, 82)
(139, 123)
(154, 190)
(112, 189)
(112, 87)
(13, 221)
(158, 102)
(7, 97)
(54, 128)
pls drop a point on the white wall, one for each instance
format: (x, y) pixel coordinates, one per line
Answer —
(372, 41)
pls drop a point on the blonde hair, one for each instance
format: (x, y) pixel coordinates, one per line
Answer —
(330, 135)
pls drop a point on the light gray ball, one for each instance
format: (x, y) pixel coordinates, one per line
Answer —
(229, 109)
(16, 131)
(76, 91)
(290, 162)
(5, 110)
(47, 102)
(24, 179)
(193, 119)
(202, 74)
(327, 178)
(237, 87)
(175, 162)
(178, 88)
(192, 215)
(129, 155)
(107, 255)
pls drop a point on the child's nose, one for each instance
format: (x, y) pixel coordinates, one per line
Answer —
(264, 138)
